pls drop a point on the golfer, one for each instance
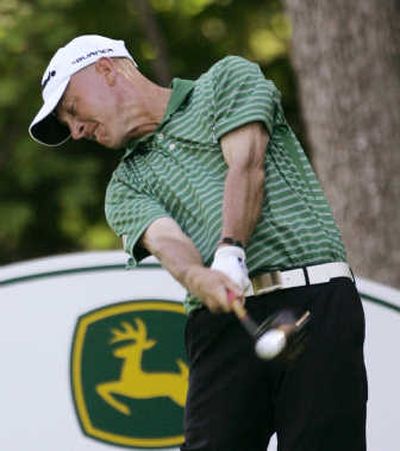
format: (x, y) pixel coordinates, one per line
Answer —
(214, 183)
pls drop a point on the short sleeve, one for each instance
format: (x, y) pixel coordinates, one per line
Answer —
(129, 212)
(242, 95)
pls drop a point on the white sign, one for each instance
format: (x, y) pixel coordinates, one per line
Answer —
(70, 326)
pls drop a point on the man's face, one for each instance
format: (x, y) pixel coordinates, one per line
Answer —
(89, 107)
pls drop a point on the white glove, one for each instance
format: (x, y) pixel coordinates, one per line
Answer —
(231, 260)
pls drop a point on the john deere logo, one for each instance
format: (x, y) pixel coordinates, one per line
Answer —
(129, 376)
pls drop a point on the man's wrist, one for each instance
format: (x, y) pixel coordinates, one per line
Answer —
(230, 241)
(189, 275)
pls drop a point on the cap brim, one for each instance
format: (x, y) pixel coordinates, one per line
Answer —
(45, 127)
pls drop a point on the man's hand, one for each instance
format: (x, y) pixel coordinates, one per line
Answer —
(231, 260)
(211, 287)
(177, 253)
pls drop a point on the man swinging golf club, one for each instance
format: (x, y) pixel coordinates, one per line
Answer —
(215, 185)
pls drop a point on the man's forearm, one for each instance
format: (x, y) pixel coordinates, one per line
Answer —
(175, 251)
(244, 152)
(243, 197)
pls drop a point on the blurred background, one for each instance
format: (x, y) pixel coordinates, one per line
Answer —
(336, 63)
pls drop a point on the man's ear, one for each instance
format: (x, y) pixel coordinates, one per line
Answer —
(106, 67)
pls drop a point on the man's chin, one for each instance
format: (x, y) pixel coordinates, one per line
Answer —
(116, 143)
(110, 144)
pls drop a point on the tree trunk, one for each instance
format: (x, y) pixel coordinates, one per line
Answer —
(347, 58)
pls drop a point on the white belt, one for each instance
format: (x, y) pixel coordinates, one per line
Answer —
(310, 275)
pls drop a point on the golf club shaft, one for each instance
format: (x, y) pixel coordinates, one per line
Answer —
(242, 315)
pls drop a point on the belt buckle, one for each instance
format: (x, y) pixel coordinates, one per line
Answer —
(268, 282)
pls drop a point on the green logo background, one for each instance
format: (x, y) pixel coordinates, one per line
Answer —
(152, 422)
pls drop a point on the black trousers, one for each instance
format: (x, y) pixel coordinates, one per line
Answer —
(315, 403)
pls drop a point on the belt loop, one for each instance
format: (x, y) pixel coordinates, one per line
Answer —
(306, 275)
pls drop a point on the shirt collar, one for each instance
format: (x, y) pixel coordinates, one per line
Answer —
(180, 90)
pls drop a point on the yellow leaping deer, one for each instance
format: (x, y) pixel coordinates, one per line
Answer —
(133, 381)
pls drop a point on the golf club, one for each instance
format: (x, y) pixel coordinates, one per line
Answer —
(272, 335)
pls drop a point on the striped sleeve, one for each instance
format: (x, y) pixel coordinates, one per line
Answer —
(242, 95)
(129, 213)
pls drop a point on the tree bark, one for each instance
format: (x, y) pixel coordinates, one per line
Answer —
(347, 58)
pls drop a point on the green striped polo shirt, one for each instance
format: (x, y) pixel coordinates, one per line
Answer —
(179, 170)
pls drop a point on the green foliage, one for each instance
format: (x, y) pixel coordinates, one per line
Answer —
(51, 200)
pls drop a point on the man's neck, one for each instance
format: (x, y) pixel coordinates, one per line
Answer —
(148, 107)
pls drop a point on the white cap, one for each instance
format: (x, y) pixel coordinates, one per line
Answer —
(76, 55)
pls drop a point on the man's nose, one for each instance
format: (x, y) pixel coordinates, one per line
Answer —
(78, 130)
